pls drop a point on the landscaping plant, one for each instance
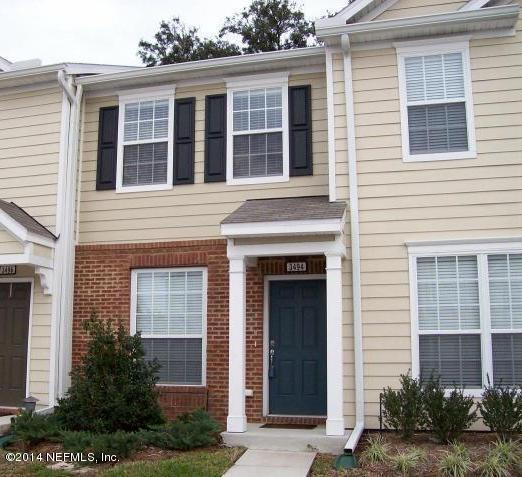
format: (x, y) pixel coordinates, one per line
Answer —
(376, 451)
(501, 409)
(114, 388)
(493, 466)
(455, 462)
(403, 409)
(32, 428)
(447, 416)
(407, 462)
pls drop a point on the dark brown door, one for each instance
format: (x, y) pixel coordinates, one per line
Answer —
(15, 299)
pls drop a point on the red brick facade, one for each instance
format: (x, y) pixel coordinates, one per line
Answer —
(102, 285)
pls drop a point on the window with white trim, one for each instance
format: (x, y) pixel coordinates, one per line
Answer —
(169, 309)
(470, 307)
(145, 143)
(257, 134)
(436, 107)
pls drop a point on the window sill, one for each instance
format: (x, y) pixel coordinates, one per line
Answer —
(474, 393)
(446, 156)
(143, 188)
(257, 180)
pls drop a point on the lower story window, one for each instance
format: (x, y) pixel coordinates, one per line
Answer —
(469, 307)
(169, 308)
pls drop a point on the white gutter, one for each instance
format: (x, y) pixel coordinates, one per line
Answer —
(330, 112)
(355, 249)
(64, 257)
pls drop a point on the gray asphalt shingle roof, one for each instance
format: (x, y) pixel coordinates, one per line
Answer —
(25, 220)
(290, 208)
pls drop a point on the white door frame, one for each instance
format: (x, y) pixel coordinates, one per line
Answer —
(30, 326)
(266, 323)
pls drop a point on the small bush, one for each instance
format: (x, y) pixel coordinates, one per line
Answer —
(403, 410)
(447, 416)
(114, 388)
(32, 428)
(501, 410)
(376, 451)
(407, 462)
(509, 451)
(120, 443)
(455, 462)
(191, 430)
(493, 466)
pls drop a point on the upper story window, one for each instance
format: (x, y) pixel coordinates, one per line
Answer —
(257, 143)
(146, 142)
(436, 102)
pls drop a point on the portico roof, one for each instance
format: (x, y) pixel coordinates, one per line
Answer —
(26, 221)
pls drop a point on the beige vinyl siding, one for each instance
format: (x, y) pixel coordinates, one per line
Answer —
(40, 338)
(8, 244)
(399, 202)
(29, 149)
(191, 211)
(413, 8)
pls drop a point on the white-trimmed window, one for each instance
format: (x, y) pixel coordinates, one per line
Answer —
(436, 102)
(169, 310)
(467, 316)
(257, 142)
(145, 141)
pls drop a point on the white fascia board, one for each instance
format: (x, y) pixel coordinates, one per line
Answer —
(464, 246)
(400, 26)
(341, 17)
(291, 227)
(20, 233)
(161, 73)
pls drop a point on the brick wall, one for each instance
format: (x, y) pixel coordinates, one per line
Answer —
(102, 285)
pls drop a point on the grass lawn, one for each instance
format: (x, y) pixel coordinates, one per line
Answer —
(198, 463)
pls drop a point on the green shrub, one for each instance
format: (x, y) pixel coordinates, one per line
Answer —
(447, 416)
(508, 452)
(119, 443)
(191, 430)
(501, 410)
(407, 462)
(114, 388)
(32, 428)
(403, 410)
(376, 451)
(455, 462)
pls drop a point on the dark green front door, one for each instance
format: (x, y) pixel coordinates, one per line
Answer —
(297, 347)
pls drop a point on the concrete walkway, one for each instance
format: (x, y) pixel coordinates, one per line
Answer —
(265, 463)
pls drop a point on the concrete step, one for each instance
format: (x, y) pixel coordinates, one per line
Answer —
(300, 440)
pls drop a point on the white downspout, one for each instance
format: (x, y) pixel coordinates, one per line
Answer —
(65, 258)
(355, 248)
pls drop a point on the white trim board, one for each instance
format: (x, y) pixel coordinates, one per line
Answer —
(287, 227)
(266, 321)
(133, 305)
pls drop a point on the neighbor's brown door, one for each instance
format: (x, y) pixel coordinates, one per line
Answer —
(15, 299)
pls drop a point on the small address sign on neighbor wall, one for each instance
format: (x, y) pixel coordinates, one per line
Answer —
(7, 269)
(296, 266)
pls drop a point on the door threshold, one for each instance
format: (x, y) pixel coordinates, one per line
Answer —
(294, 416)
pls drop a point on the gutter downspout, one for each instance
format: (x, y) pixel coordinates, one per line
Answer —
(355, 249)
(65, 267)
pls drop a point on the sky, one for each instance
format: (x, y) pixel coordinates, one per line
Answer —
(108, 31)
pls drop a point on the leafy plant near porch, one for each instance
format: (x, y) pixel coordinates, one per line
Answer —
(403, 410)
(114, 387)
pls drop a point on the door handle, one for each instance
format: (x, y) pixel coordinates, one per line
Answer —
(271, 357)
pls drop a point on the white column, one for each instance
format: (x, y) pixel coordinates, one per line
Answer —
(236, 420)
(334, 346)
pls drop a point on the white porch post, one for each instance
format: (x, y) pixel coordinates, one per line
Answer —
(236, 420)
(334, 345)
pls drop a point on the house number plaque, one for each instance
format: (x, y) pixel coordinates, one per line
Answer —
(296, 267)
(7, 269)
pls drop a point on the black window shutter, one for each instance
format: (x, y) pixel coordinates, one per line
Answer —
(184, 132)
(107, 148)
(216, 138)
(300, 129)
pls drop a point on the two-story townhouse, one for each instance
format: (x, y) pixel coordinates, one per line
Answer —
(39, 109)
(291, 231)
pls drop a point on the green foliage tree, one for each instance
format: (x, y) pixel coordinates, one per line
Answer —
(268, 25)
(177, 43)
(114, 388)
